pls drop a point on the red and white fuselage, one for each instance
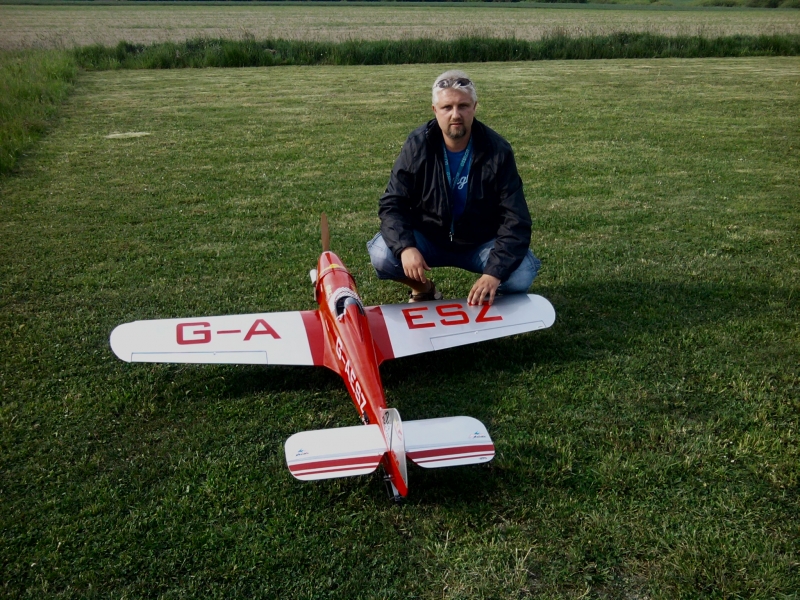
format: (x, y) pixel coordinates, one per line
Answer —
(351, 351)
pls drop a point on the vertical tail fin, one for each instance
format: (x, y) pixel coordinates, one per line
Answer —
(395, 459)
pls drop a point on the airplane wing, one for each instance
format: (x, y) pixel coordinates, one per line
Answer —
(278, 338)
(405, 329)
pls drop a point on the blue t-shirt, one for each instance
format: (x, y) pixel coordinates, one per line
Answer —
(459, 190)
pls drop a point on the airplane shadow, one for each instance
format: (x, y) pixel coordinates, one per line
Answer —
(592, 320)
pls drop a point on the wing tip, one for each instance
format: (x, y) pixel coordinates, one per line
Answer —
(117, 344)
(544, 303)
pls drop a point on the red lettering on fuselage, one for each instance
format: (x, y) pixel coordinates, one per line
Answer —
(350, 377)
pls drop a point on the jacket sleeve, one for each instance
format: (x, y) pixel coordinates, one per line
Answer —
(395, 204)
(514, 234)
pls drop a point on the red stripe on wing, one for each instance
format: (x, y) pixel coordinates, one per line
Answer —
(316, 339)
(450, 452)
(427, 461)
(368, 466)
(380, 334)
(336, 464)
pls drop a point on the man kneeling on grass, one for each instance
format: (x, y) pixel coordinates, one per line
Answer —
(455, 199)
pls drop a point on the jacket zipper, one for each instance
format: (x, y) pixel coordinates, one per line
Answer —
(448, 203)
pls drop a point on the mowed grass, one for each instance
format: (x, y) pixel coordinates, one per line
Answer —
(65, 25)
(647, 444)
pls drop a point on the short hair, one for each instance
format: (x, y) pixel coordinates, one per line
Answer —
(454, 79)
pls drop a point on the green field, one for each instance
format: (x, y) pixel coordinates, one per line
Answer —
(66, 25)
(647, 443)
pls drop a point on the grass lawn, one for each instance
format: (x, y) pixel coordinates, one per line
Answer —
(647, 443)
(33, 84)
(66, 25)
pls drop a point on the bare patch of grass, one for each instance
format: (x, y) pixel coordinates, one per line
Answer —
(126, 135)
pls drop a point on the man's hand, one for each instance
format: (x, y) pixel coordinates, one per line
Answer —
(414, 265)
(484, 288)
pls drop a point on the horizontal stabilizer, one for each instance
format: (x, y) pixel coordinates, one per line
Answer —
(447, 442)
(338, 452)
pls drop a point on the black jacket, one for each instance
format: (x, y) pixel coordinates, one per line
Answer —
(417, 197)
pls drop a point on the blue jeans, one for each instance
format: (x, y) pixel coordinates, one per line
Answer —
(387, 266)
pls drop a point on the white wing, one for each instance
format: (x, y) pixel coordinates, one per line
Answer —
(279, 338)
(406, 329)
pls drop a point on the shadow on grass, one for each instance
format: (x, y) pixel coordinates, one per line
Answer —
(492, 382)
(473, 485)
(593, 321)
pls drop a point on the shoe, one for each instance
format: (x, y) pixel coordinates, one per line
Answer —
(431, 294)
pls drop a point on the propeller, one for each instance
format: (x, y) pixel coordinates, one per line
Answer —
(326, 235)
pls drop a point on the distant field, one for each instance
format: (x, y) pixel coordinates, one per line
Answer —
(647, 443)
(60, 26)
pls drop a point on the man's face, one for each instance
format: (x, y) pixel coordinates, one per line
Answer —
(455, 111)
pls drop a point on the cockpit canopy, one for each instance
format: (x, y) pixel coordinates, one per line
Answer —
(342, 298)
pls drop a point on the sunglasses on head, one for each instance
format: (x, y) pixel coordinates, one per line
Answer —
(455, 82)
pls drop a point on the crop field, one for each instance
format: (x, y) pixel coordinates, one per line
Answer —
(647, 444)
(50, 26)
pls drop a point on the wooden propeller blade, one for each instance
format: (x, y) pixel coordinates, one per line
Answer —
(326, 235)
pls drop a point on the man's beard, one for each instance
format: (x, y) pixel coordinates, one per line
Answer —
(456, 131)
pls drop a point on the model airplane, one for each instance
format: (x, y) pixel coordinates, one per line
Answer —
(352, 340)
